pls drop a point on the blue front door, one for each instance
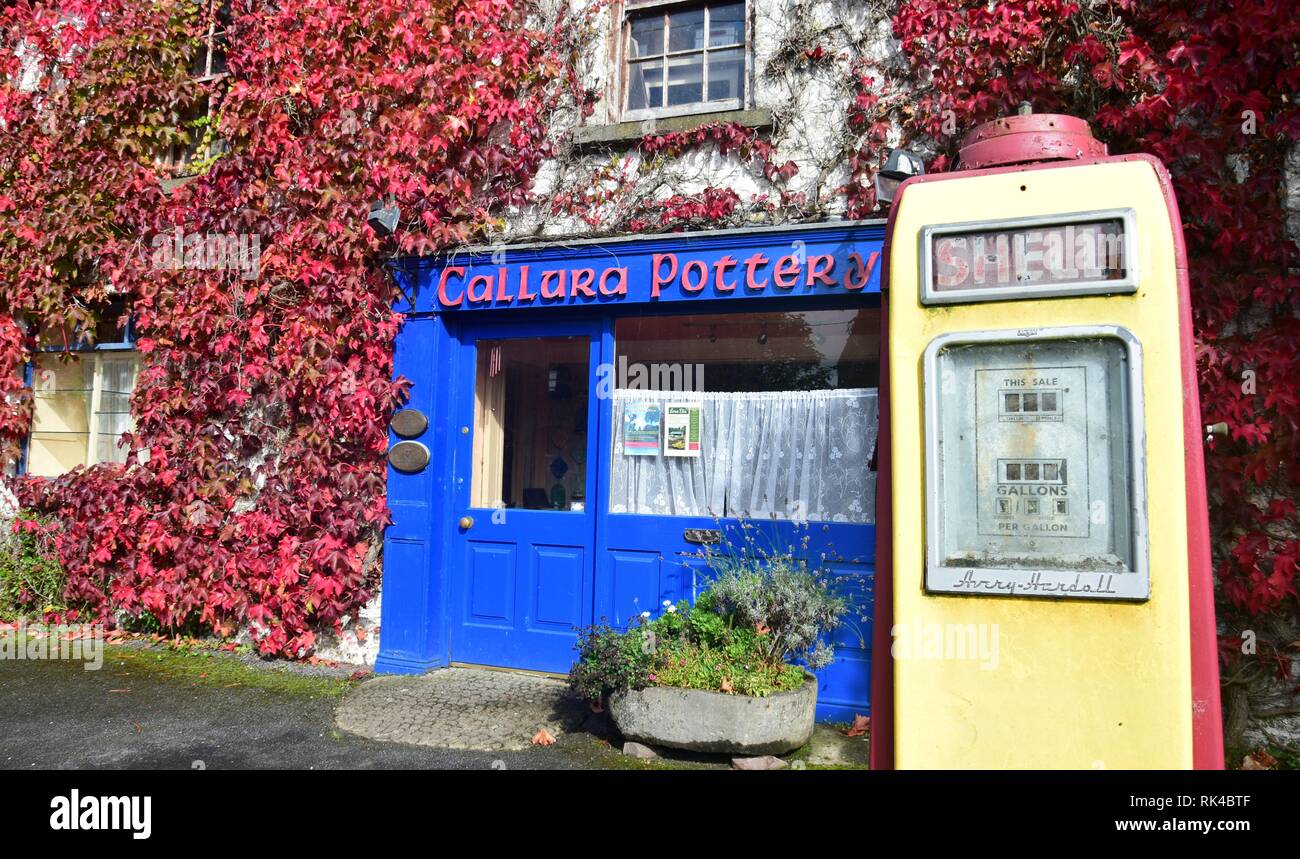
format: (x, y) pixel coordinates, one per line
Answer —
(524, 476)
(557, 525)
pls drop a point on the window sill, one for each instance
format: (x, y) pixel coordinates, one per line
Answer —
(622, 134)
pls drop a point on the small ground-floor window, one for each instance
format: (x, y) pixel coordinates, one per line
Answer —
(81, 410)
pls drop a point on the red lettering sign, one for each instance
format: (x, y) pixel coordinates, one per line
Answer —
(689, 277)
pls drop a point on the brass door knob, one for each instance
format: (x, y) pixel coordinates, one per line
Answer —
(466, 522)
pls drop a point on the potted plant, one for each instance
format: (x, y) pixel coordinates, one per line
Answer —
(728, 674)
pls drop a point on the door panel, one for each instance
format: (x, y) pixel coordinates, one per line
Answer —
(525, 440)
(556, 585)
(491, 571)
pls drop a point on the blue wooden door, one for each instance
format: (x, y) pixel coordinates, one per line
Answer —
(525, 473)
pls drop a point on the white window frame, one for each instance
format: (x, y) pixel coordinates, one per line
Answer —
(94, 398)
(666, 8)
(75, 344)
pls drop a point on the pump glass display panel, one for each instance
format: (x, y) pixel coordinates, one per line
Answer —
(1036, 483)
(1081, 253)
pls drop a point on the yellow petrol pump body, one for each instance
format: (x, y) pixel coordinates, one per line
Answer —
(1046, 587)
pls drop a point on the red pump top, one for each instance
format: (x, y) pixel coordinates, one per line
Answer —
(1028, 138)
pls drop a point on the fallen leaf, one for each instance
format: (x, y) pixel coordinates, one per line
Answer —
(860, 726)
(138, 727)
(726, 685)
(119, 690)
(1259, 759)
(359, 674)
(543, 738)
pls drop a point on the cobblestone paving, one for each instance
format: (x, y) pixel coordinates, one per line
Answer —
(460, 708)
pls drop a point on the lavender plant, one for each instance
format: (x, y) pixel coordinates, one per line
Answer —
(778, 594)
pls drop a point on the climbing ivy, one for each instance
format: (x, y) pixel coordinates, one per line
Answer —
(264, 401)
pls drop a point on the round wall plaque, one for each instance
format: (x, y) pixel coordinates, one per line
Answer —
(408, 457)
(408, 423)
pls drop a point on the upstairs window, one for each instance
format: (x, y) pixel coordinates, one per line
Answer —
(208, 71)
(684, 58)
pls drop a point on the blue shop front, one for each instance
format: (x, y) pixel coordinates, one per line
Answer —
(586, 418)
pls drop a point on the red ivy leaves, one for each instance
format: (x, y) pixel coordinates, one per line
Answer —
(264, 401)
(681, 211)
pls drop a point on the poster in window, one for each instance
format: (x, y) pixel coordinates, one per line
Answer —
(641, 425)
(682, 431)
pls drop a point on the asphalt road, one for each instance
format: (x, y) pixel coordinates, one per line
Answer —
(57, 715)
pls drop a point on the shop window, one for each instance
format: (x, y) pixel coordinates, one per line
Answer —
(684, 58)
(753, 415)
(81, 402)
(530, 423)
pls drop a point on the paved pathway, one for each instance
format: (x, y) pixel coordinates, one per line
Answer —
(460, 708)
(55, 715)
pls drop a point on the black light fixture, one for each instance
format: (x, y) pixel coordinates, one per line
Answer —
(900, 166)
(384, 217)
(713, 334)
(762, 337)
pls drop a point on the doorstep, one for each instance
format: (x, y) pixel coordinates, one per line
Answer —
(461, 708)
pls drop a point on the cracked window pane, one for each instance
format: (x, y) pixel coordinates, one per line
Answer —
(645, 87)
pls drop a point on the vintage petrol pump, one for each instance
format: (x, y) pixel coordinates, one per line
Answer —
(1044, 595)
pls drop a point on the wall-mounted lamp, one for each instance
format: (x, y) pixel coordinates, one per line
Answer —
(900, 165)
(762, 337)
(383, 217)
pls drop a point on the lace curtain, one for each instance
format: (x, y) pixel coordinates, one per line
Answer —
(770, 455)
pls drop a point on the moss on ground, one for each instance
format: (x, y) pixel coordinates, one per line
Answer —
(216, 669)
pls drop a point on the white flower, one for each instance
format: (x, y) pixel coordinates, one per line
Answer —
(646, 615)
(672, 609)
(667, 603)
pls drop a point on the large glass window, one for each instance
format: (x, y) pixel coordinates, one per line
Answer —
(530, 423)
(686, 57)
(755, 415)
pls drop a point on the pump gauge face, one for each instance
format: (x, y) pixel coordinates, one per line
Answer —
(1035, 471)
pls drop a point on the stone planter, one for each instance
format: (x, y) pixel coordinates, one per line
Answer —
(716, 722)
